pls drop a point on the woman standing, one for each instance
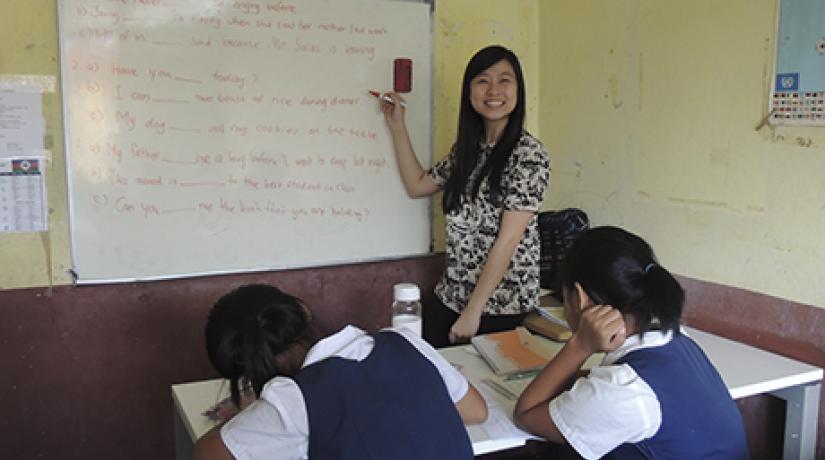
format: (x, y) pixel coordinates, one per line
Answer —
(493, 181)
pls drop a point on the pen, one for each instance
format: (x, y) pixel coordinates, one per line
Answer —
(521, 375)
(385, 98)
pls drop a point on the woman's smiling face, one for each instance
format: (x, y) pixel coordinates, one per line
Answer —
(493, 95)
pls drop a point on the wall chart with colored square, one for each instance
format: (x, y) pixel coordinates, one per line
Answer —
(798, 92)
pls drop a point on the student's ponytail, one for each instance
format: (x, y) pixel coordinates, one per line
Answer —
(662, 299)
(247, 330)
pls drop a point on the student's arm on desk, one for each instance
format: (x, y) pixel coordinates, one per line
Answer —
(472, 408)
(211, 447)
(600, 329)
(531, 412)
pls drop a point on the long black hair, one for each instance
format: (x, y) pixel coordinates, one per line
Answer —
(246, 331)
(618, 268)
(471, 134)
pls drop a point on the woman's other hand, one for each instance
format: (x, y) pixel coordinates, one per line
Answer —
(465, 327)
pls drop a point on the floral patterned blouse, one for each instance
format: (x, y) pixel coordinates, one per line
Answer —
(472, 229)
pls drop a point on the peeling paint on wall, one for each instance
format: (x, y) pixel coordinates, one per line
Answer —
(449, 30)
(720, 156)
(641, 81)
(788, 136)
(767, 73)
(595, 204)
(615, 99)
(694, 202)
(500, 29)
(804, 141)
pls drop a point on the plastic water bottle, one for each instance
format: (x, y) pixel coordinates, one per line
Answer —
(406, 307)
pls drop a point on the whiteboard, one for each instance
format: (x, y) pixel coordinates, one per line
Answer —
(212, 136)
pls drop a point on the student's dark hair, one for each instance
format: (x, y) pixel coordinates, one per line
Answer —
(247, 329)
(618, 268)
(471, 134)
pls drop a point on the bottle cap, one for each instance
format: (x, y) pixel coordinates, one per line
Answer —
(406, 292)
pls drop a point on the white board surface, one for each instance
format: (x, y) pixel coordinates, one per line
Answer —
(213, 136)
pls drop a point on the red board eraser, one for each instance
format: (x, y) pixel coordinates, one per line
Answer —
(402, 75)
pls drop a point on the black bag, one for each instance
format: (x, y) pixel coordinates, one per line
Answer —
(557, 230)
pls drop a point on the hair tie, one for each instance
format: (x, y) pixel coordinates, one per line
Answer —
(648, 267)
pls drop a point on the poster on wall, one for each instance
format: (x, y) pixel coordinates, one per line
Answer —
(21, 120)
(22, 195)
(22, 158)
(798, 92)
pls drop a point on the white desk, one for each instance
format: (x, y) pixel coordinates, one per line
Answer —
(498, 433)
(746, 371)
(749, 371)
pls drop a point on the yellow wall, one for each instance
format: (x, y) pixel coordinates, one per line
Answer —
(650, 110)
(28, 45)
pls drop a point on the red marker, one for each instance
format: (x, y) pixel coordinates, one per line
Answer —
(385, 98)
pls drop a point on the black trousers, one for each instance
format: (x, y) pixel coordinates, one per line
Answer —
(438, 319)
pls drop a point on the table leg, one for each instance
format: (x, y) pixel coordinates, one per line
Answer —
(800, 420)
(183, 442)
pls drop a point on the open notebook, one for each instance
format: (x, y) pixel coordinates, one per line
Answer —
(511, 352)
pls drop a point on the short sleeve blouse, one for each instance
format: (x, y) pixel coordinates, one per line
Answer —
(472, 229)
(612, 405)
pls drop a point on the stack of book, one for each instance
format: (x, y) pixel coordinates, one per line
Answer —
(549, 322)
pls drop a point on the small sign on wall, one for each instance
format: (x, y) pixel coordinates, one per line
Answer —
(22, 158)
(798, 92)
(22, 195)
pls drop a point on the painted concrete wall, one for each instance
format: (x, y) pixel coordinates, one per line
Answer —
(28, 45)
(650, 109)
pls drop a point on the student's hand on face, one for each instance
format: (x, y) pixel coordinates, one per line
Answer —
(393, 112)
(465, 327)
(601, 328)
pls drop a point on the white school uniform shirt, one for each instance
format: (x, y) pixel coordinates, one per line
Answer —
(276, 425)
(612, 405)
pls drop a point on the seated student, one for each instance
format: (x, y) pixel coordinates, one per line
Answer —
(351, 395)
(656, 394)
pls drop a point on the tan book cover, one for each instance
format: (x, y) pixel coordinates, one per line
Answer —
(546, 327)
(511, 352)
